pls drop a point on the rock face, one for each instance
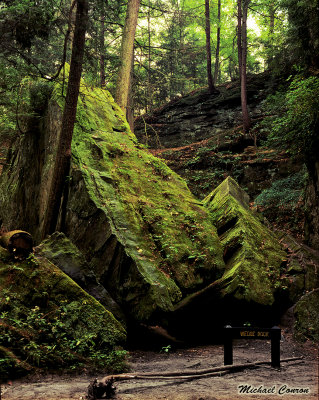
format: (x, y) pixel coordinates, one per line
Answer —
(252, 253)
(198, 116)
(307, 316)
(48, 321)
(312, 207)
(58, 249)
(253, 287)
(300, 276)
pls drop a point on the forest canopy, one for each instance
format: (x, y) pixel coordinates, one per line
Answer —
(169, 47)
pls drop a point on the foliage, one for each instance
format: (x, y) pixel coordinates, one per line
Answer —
(47, 341)
(302, 38)
(166, 349)
(286, 192)
(48, 322)
(296, 126)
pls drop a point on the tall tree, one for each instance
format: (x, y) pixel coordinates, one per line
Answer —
(102, 55)
(126, 54)
(208, 48)
(63, 156)
(303, 19)
(242, 7)
(217, 42)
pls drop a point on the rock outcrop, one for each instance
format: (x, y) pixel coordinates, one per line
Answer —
(58, 249)
(252, 253)
(307, 316)
(199, 115)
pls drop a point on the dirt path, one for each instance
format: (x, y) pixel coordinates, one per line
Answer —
(300, 376)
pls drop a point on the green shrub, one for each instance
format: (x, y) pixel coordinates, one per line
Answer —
(47, 340)
(285, 192)
(294, 120)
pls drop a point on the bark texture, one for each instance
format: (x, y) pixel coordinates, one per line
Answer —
(242, 59)
(123, 80)
(63, 155)
(208, 48)
(217, 43)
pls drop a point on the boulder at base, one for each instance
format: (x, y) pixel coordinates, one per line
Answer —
(252, 253)
(49, 322)
(58, 249)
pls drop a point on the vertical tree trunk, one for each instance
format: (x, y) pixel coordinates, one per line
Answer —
(130, 99)
(242, 59)
(217, 43)
(63, 157)
(149, 94)
(102, 54)
(239, 33)
(123, 80)
(270, 41)
(208, 48)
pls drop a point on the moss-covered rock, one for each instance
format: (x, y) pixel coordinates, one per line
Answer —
(48, 321)
(166, 244)
(252, 253)
(301, 272)
(58, 249)
(145, 236)
(307, 317)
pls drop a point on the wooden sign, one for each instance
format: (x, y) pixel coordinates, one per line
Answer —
(273, 334)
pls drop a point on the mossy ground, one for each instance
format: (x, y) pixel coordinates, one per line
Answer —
(48, 322)
(253, 254)
(164, 229)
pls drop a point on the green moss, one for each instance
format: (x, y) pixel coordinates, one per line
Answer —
(163, 228)
(48, 321)
(253, 254)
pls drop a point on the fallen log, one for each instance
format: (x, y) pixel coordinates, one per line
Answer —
(105, 387)
(19, 243)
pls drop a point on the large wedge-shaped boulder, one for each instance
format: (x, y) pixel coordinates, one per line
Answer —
(252, 253)
(147, 239)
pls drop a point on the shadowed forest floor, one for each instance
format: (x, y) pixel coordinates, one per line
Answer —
(301, 374)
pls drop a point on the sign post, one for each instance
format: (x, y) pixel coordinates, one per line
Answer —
(273, 334)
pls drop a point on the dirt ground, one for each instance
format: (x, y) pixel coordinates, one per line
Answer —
(299, 376)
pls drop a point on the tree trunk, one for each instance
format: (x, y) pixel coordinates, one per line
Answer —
(270, 44)
(217, 43)
(239, 38)
(208, 48)
(63, 157)
(130, 99)
(102, 54)
(242, 59)
(149, 91)
(123, 79)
